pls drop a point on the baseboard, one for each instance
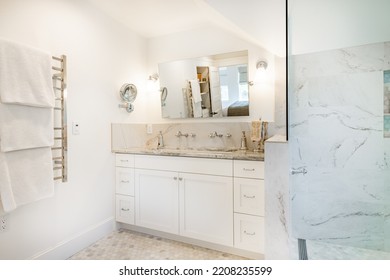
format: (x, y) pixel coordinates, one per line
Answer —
(222, 248)
(77, 242)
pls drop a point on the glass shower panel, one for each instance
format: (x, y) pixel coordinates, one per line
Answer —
(339, 150)
(386, 103)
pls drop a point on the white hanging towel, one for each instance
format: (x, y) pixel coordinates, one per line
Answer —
(25, 75)
(25, 127)
(195, 89)
(197, 109)
(25, 176)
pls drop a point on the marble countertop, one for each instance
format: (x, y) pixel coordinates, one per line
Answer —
(220, 154)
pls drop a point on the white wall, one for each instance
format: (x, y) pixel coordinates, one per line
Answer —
(212, 40)
(102, 55)
(318, 25)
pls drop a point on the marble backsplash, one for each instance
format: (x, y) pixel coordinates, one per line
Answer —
(125, 136)
(340, 159)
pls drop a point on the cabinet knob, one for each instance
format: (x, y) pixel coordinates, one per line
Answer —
(180, 179)
(249, 233)
(174, 178)
(123, 209)
(249, 196)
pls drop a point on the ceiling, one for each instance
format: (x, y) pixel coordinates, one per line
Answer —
(259, 21)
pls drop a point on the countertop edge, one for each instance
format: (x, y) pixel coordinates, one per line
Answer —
(237, 155)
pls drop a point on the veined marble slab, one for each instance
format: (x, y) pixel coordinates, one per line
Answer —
(133, 138)
(340, 171)
(277, 203)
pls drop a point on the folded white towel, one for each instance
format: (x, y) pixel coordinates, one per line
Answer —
(25, 127)
(195, 89)
(197, 107)
(25, 176)
(25, 75)
(2, 212)
(255, 130)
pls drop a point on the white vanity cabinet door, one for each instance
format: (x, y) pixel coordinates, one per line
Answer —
(249, 196)
(124, 209)
(124, 180)
(156, 200)
(206, 207)
(249, 232)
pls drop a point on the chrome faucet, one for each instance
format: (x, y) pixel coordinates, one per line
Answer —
(215, 134)
(160, 143)
(243, 142)
(179, 134)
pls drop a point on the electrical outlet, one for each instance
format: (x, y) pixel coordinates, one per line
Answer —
(149, 128)
(3, 223)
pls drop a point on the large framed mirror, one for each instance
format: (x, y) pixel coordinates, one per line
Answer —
(205, 87)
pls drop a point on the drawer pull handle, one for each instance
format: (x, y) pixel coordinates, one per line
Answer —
(124, 160)
(123, 209)
(249, 233)
(251, 197)
(249, 169)
(125, 182)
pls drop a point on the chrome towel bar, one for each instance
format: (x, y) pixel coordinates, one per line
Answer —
(60, 148)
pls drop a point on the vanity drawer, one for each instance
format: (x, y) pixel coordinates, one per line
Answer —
(249, 232)
(125, 209)
(248, 169)
(249, 196)
(124, 160)
(124, 180)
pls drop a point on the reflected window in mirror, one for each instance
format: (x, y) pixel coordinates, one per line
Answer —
(234, 90)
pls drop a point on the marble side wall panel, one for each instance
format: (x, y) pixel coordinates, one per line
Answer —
(277, 204)
(340, 182)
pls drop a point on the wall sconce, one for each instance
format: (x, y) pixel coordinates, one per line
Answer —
(151, 83)
(261, 67)
(154, 77)
(128, 93)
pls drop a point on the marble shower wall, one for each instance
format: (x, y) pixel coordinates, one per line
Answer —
(339, 158)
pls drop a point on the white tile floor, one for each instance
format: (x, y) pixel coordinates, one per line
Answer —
(128, 245)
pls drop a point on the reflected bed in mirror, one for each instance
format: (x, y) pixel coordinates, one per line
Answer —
(205, 87)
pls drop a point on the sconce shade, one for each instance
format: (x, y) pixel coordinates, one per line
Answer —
(261, 65)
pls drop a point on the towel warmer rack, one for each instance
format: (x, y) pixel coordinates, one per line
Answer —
(60, 147)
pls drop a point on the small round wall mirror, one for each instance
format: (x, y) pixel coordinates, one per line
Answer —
(164, 93)
(128, 93)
